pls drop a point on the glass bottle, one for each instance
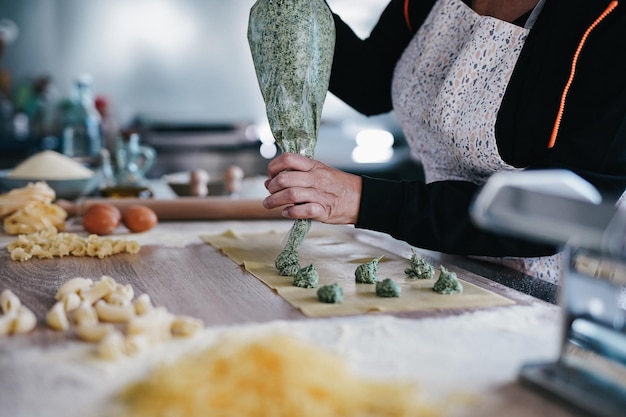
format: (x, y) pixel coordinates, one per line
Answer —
(133, 161)
(82, 135)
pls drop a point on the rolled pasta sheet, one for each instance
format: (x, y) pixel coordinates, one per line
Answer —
(100, 289)
(143, 304)
(112, 346)
(25, 321)
(85, 315)
(9, 302)
(6, 323)
(56, 317)
(185, 326)
(94, 333)
(114, 313)
(71, 301)
(74, 285)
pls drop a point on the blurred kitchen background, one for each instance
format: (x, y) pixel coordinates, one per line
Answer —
(177, 71)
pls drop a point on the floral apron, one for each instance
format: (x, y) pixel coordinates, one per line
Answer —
(447, 89)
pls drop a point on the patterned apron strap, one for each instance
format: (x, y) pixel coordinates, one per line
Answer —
(534, 15)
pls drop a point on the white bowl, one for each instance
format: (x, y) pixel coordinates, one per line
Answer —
(64, 189)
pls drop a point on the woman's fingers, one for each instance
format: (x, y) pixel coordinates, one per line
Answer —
(309, 189)
(290, 179)
(305, 211)
(289, 162)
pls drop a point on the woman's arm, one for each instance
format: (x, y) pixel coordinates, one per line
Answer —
(433, 216)
(363, 69)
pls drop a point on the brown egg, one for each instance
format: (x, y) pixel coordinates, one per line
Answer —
(101, 219)
(139, 218)
(115, 212)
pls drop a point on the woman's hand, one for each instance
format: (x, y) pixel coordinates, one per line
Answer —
(312, 190)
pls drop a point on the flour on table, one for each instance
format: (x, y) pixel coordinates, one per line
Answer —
(474, 354)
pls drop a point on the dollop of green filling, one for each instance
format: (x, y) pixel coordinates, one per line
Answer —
(419, 268)
(366, 273)
(447, 283)
(387, 288)
(307, 277)
(287, 263)
(332, 294)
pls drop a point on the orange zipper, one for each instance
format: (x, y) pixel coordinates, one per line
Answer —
(406, 15)
(559, 116)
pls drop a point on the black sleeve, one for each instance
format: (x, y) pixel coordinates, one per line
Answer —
(436, 216)
(363, 69)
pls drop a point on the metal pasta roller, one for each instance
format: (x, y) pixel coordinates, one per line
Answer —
(558, 207)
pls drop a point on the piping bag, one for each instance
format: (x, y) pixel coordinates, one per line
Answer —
(292, 44)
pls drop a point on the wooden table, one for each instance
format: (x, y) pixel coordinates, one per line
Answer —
(189, 277)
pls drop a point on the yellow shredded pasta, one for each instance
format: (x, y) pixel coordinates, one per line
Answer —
(275, 376)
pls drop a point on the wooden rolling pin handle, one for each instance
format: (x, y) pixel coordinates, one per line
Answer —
(185, 208)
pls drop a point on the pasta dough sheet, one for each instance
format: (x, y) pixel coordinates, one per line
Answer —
(336, 256)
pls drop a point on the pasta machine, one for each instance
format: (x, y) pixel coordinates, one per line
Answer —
(558, 207)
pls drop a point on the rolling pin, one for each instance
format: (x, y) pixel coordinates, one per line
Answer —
(184, 208)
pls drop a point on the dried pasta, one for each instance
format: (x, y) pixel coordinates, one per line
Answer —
(112, 346)
(186, 326)
(142, 304)
(34, 217)
(156, 324)
(94, 332)
(9, 302)
(25, 321)
(73, 286)
(137, 343)
(19, 197)
(6, 323)
(98, 290)
(121, 295)
(49, 243)
(71, 301)
(106, 313)
(114, 313)
(85, 315)
(56, 317)
(16, 318)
